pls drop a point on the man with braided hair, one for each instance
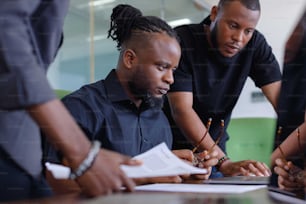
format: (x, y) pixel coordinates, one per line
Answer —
(124, 111)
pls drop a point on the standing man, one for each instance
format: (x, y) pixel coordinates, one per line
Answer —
(29, 40)
(217, 57)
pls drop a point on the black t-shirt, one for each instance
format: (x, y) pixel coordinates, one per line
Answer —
(217, 81)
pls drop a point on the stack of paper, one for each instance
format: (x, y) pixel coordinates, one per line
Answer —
(160, 161)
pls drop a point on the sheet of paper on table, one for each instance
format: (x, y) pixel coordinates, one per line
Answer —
(199, 188)
(158, 161)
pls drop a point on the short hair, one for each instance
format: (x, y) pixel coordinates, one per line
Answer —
(125, 20)
(250, 4)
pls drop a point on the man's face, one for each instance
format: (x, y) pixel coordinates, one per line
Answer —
(234, 25)
(155, 63)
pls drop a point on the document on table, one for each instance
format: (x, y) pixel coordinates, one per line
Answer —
(158, 161)
(199, 188)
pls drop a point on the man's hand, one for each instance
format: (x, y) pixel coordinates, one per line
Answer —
(165, 179)
(205, 160)
(105, 176)
(290, 177)
(245, 168)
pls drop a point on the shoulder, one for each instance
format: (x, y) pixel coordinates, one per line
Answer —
(258, 40)
(88, 94)
(190, 29)
(190, 34)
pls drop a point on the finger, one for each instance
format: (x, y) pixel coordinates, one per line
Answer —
(131, 162)
(279, 162)
(255, 170)
(281, 172)
(244, 172)
(200, 176)
(268, 169)
(287, 184)
(127, 182)
(213, 154)
(263, 168)
(185, 154)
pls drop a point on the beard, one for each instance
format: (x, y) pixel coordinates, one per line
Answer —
(139, 89)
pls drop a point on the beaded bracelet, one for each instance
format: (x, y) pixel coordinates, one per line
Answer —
(221, 161)
(87, 162)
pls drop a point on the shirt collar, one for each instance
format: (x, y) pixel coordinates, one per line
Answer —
(114, 89)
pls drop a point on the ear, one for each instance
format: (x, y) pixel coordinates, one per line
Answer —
(129, 57)
(213, 13)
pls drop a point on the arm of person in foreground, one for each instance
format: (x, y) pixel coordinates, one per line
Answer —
(192, 127)
(105, 175)
(291, 146)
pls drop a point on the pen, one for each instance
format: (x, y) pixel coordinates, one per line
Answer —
(207, 129)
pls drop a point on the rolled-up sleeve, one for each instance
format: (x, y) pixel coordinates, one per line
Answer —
(23, 80)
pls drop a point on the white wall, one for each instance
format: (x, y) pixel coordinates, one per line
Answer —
(278, 18)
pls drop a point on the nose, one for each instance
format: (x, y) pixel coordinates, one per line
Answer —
(168, 76)
(238, 36)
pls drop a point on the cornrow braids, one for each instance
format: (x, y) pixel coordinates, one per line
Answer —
(125, 20)
(250, 4)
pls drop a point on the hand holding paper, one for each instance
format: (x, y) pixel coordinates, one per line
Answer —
(158, 161)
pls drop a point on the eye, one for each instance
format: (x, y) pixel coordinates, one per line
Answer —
(249, 31)
(160, 67)
(174, 69)
(233, 25)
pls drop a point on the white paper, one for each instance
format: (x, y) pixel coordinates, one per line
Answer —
(199, 188)
(158, 161)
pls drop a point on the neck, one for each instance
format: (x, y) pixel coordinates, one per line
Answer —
(123, 79)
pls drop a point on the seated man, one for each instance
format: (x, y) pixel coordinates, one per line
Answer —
(124, 111)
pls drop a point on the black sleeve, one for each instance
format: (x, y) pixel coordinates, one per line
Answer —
(183, 75)
(265, 68)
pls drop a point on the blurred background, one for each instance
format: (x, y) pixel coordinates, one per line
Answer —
(87, 55)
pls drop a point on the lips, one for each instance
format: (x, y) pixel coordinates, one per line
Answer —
(231, 49)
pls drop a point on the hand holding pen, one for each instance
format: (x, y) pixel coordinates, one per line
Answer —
(205, 155)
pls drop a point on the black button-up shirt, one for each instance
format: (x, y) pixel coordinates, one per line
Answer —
(105, 113)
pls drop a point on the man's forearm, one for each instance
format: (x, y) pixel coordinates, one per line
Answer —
(61, 130)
